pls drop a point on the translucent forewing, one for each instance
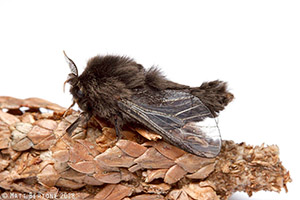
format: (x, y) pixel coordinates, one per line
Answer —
(180, 118)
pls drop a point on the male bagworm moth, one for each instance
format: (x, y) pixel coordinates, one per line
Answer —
(122, 91)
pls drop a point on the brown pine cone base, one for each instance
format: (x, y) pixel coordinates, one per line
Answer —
(37, 159)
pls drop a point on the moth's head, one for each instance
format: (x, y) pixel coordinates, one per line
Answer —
(76, 88)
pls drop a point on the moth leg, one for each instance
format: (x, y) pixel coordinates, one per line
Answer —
(117, 127)
(66, 111)
(83, 118)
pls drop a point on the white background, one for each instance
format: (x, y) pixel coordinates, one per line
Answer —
(253, 45)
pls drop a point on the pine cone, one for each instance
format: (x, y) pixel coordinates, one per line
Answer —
(38, 158)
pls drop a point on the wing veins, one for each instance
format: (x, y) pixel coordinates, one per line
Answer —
(173, 100)
(194, 116)
(191, 108)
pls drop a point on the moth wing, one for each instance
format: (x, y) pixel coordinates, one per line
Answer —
(180, 118)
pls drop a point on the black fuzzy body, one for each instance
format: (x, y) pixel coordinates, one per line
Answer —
(106, 79)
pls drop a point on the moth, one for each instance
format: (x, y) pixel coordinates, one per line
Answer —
(122, 91)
